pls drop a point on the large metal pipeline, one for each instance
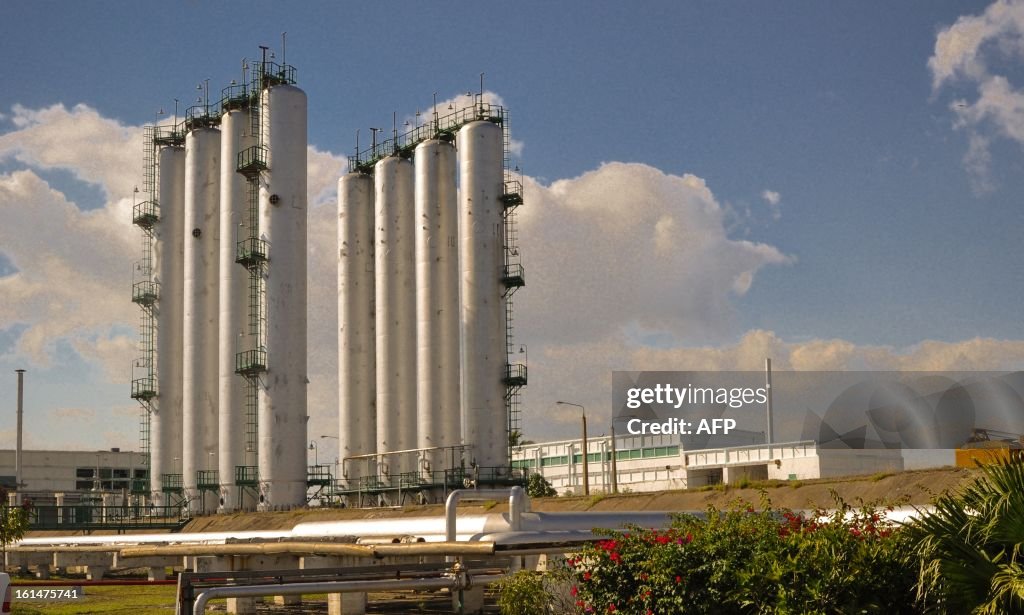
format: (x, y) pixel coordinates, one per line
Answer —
(516, 506)
(414, 549)
(431, 529)
(456, 582)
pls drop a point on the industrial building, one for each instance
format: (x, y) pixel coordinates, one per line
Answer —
(76, 476)
(427, 266)
(660, 462)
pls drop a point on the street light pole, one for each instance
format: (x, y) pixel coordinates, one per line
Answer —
(337, 457)
(586, 471)
(615, 469)
(18, 451)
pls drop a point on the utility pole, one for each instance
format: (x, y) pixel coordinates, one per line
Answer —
(18, 450)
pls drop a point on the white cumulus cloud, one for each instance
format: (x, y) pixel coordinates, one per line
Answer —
(978, 52)
(627, 267)
(628, 246)
(581, 372)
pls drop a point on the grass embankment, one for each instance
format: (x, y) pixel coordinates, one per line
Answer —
(108, 600)
(911, 487)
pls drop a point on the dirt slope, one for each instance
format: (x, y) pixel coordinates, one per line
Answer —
(917, 487)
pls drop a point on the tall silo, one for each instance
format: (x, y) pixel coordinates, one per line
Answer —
(481, 231)
(283, 223)
(357, 386)
(200, 354)
(166, 418)
(236, 135)
(437, 299)
(395, 271)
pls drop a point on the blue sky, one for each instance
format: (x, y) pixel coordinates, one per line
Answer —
(710, 182)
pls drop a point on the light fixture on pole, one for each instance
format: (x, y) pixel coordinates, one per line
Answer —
(586, 472)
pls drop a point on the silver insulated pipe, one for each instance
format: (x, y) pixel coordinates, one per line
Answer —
(437, 299)
(357, 385)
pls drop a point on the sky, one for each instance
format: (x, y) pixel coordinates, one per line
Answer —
(834, 185)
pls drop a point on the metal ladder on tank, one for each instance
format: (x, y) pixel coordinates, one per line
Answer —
(252, 253)
(145, 294)
(513, 278)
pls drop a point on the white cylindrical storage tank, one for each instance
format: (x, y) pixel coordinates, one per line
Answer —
(236, 135)
(202, 260)
(437, 300)
(482, 241)
(283, 222)
(169, 264)
(395, 270)
(357, 380)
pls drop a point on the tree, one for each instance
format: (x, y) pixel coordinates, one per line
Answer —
(538, 487)
(970, 546)
(13, 525)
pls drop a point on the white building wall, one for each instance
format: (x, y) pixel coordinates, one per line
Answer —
(656, 463)
(795, 469)
(55, 471)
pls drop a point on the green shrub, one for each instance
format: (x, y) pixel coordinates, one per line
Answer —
(538, 487)
(523, 593)
(744, 561)
(533, 593)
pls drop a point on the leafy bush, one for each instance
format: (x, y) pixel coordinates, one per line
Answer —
(538, 487)
(14, 523)
(522, 593)
(532, 593)
(744, 561)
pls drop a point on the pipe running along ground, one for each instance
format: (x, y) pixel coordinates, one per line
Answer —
(456, 582)
(317, 548)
